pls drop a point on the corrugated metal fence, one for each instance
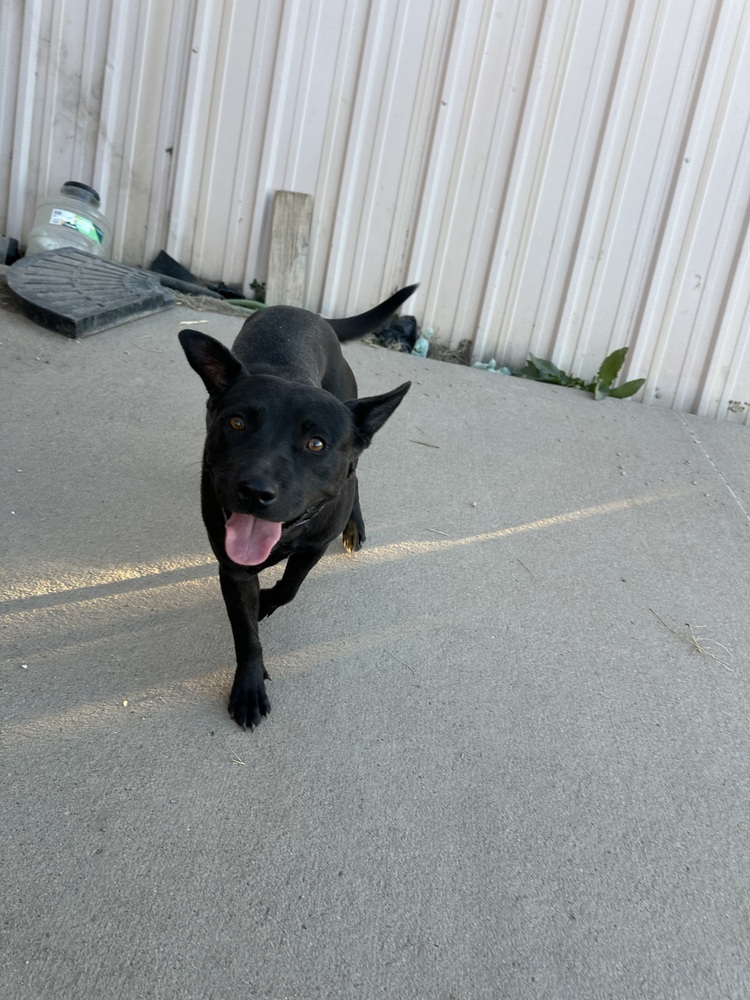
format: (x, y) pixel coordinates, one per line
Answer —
(562, 176)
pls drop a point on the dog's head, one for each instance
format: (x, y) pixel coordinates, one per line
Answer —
(277, 451)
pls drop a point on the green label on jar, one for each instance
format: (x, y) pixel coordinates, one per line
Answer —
(82, 225)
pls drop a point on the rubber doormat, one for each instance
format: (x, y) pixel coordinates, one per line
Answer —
(77, 294)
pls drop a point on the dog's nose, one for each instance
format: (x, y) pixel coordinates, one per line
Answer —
(258, 491)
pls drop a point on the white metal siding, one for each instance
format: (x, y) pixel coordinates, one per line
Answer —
(562, 176)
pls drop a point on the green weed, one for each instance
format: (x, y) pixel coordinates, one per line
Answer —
(601, 387)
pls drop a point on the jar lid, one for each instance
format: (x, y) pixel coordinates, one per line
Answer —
(82, 191)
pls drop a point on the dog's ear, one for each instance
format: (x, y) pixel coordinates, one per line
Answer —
(372, 412)
(215, 364)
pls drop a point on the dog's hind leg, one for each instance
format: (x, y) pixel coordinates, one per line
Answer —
(248, 701)
(354, 532)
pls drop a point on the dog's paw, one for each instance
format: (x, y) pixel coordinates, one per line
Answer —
(354, 536)
(248, 703)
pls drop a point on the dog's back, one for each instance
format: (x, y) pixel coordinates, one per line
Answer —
(303, 347)
(296, 345)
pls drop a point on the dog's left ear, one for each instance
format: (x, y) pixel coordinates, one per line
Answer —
(216, 365)
(372, 412)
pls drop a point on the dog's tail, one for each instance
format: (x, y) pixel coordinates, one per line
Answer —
(357, 326)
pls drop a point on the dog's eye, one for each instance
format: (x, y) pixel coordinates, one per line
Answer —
(316, 444)
(237, 423)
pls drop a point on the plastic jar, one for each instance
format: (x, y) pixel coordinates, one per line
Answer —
(71, 219)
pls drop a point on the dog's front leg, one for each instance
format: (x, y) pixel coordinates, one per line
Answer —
(298, 565)
(248, 701)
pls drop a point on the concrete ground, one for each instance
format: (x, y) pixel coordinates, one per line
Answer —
(500, 763)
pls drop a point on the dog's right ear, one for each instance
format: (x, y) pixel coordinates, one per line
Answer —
(215, 364)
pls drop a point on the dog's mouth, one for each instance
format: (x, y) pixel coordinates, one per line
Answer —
(308, 514)
(249, 540)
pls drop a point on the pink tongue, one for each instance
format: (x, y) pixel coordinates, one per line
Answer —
(249, 540)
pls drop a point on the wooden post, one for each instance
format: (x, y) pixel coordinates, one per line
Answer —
(290, 239)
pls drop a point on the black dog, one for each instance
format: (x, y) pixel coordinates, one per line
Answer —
(285, 431)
